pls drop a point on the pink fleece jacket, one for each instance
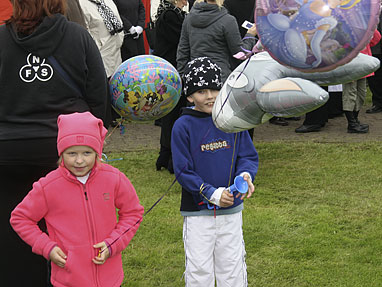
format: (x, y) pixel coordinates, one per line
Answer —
(374, 41)
(77, 217)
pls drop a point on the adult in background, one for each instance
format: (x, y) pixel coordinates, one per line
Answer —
(74, 12)
(169, 20)
(36, 45)
(105, 26)
(354, 94)
(5, 10)
(375, 83)
(133, 16)
(210, 31)
(242, 10)
(315, 120)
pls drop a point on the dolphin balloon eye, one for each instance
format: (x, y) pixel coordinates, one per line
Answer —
(237, 80)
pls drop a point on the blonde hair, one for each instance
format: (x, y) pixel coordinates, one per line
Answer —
(217, 2)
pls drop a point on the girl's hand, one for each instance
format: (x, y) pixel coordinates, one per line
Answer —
(103, 253)
(58, 257)
(251, 187)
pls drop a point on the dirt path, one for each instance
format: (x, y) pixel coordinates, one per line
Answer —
(145, 136)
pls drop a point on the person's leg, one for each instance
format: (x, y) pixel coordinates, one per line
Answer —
(129, 48)
(314, 120)
(230, 266)
(199, 241)
(375, 86)
(361, 96)
(335, 104)
(349, 96)
(16, 182)
(349, 99)
(167, 122)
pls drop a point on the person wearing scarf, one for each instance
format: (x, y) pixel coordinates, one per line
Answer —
(104, 24)
(169, 20)
(133, 17)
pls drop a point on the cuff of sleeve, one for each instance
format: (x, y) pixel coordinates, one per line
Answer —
(215, 197)
(109, 248)
(47, 249)
(243, 173)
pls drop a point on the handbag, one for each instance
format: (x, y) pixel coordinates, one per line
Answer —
(150, 33)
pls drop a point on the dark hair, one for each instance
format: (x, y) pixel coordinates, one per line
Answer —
(28, 14)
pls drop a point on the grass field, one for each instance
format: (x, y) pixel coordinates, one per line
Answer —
(315, 218)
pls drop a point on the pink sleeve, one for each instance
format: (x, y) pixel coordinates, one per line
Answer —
(130, 216)
(376, 38)
(24, 219)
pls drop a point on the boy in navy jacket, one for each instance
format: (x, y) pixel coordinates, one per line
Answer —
(206, 161)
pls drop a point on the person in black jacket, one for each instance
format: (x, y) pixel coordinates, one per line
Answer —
(169, 20)
(242, 10)
(48, 66)
(375, 83)
(132, 13)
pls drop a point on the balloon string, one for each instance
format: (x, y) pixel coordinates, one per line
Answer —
(230, 91)
(180, 173)
(163, 195)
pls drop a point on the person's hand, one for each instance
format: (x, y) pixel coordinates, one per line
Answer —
(139, 29)
(226, 199)
(251, 188)
(132, 30)
(103, 253)
(58, 257)
(252, 30)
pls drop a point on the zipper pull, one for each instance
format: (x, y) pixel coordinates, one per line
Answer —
(86, 194)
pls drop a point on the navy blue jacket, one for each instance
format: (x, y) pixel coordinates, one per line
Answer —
(206, 158)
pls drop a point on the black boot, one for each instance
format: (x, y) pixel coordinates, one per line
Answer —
(170, 166)
(164, 157)
(363, 126)
(353, 125)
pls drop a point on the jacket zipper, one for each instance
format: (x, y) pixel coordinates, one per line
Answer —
(95, 273)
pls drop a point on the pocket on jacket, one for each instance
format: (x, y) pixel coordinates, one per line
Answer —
(77, 270)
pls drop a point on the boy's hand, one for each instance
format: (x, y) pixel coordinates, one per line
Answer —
(103, 253)
(251, 188)
(252, 30)
(226, 199)
(58, 257)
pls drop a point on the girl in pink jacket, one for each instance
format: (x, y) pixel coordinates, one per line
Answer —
(78, 201)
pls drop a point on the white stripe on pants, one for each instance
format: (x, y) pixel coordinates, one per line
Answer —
(214, 247)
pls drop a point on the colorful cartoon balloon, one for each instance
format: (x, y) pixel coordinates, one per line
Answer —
(315, 35)
(145, 88)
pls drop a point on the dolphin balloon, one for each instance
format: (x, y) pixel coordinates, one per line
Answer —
(261, 88)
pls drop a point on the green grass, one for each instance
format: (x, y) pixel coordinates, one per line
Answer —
(315, 218)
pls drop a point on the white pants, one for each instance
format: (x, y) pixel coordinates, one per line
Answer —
(214, 247)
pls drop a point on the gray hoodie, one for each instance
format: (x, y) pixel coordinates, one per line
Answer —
(210, 31)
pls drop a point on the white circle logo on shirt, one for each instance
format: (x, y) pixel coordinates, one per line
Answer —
(35, 68)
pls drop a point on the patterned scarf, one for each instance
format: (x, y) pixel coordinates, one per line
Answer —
(113, 25)
(164, 5)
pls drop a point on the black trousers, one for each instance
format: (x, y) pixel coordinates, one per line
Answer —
(318, 116)
(167, 122)
(375, 85)
(19, 266)
(132, 47)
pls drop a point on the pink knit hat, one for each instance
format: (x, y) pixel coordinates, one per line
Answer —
(80, 129)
